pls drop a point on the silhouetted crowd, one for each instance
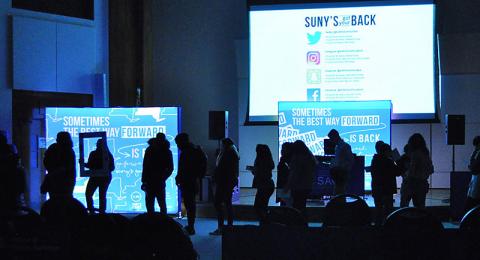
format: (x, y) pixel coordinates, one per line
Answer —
(295, 169)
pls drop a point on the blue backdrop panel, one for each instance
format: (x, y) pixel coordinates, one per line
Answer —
(128, 130)
(360, 123)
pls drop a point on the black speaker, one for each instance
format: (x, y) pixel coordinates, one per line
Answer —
(455, 128)
(217, 125)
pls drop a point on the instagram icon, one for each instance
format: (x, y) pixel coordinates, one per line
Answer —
(313, 57)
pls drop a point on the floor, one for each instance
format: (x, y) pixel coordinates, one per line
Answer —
(435, 197)
(210, 247)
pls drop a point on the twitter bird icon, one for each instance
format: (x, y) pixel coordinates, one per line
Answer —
(313, 38)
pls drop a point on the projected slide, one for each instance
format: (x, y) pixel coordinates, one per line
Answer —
(128, 130)
(353, 51)
(361, 124)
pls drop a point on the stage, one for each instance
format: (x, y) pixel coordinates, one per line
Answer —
(437, 202)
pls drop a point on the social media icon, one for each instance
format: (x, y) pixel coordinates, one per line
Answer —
(314, 76)
(313, 94)
(313, 57)
(313, 38)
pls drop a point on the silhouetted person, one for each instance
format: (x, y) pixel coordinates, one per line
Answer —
(226, 178)
(283, 171)
(192, 166)
(12, 175)
(404, 161)
(342, 162)
(415, 181)
(99, 180)
(302, 168)
(60, 163)
(262, 180)
(384, 183)
(473, 195)
(157, 168)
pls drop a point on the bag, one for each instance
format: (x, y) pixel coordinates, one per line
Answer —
(200, 161)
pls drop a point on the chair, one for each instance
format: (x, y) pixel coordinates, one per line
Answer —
(414, 219)
(471, 220)
(63, 217)
(99, 236)
(156, 235)
(63, 212)
(469, 235)
(347, 210)
(286, 216)
(414, 233)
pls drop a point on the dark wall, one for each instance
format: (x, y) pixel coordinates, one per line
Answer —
(459, 36)
(194, 63)
(126, 51)
(458, 16)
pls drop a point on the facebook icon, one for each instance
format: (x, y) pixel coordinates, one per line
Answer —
(313, 94)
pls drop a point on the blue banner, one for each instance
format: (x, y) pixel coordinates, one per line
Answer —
(360, 123)
(128, 130)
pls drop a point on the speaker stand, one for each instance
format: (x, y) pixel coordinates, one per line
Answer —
(453, 158)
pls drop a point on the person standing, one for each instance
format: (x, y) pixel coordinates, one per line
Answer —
(192, 166)
(473, 195)
(342, 162)
(226, 178)
(262, 180)
(302, 169)
(384, 184)
(157, 167)
(415, 182)
(102, 180)
(283, 172)
(12, 186)
(60, 163)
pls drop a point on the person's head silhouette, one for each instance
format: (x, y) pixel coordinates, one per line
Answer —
(334, 136)
(263, 151)
(379, 146)
(417, 142)
(64, 139)
(286, 150)
(182, 140)
(476, 142)
(161, 137)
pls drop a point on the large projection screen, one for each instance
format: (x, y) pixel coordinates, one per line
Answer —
(127, 130)
(344, 51)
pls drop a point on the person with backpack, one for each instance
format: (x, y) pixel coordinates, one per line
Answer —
(157, 167)
(192, 166)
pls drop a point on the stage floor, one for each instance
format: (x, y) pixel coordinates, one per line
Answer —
(435, 198)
